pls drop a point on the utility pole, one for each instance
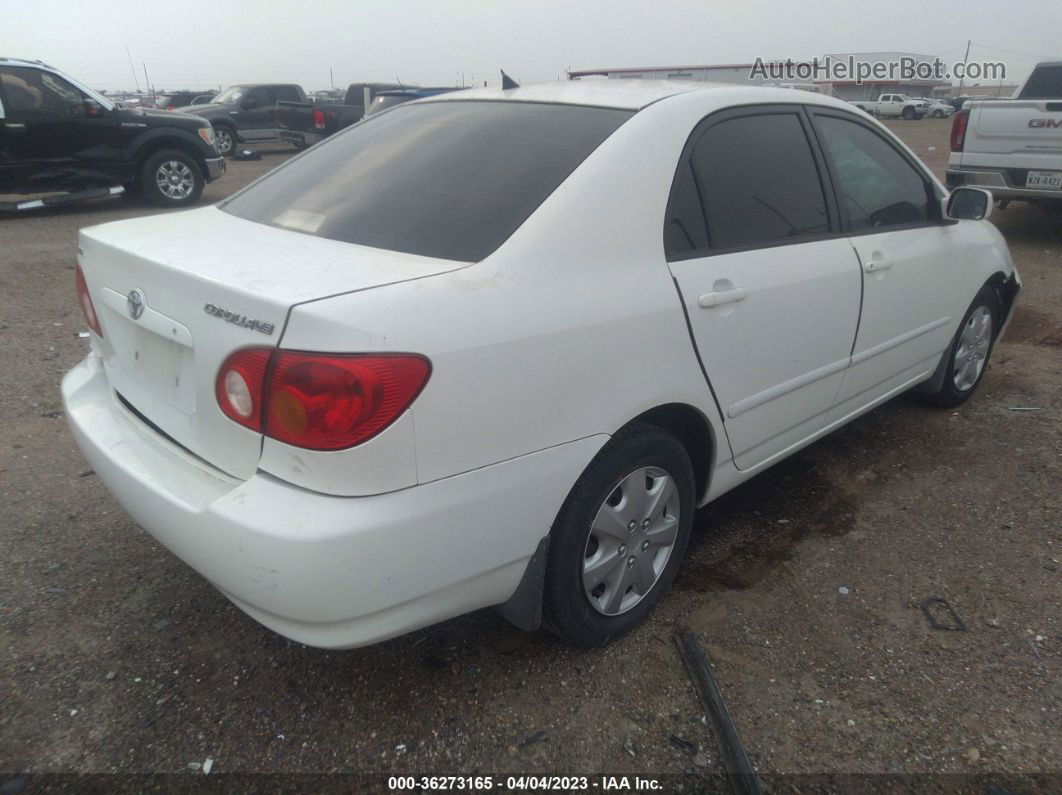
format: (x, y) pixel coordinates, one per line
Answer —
(331, 80)
(965, 60)
(132, 69)
(147, 83)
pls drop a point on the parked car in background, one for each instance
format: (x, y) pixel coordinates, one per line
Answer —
(1013, 147)
(246, 113)
(59, 135)
(389, 99)
(305, 123)
(936, 108)
(893, 106)
(180, 99)
(730, 274)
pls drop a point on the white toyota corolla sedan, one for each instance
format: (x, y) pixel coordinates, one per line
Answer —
(493, 348)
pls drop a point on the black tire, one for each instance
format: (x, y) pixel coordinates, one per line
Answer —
(225, 139)
(950, 394)
(908, 113)
(567, 609)
(938, 114)
(191, 180)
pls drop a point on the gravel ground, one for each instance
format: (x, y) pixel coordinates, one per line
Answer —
(803, 586)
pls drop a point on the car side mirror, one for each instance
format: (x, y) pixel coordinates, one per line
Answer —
(92, 109)
(968, 204)
(249, 104)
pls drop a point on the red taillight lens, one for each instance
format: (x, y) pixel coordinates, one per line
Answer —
(239, 386)
(319, 401)
(958, 130)
(169, 107)
(84, 300)
(318, 119)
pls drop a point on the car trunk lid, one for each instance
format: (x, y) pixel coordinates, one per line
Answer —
(177, 293)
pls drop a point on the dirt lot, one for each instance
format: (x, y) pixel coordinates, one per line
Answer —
(803, 586)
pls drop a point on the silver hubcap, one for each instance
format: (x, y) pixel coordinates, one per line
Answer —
(631, 540)
(972, 351)
(175, 179)
(223, 141)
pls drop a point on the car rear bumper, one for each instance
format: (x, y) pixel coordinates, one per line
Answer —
(1006, 183)
(334, 572)
(215, 167)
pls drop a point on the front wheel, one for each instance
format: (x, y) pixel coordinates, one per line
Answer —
(619, 537)
(171, 178)
(908, 113)
(969, 351)
(938, 114)
(224, 140)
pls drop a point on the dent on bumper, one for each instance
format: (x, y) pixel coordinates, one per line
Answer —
(335, 572)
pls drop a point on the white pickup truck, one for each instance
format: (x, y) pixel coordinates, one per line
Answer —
(1013, 147)
(894, 105)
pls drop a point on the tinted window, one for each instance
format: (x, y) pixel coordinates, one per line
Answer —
(287, 94)
(1044, 83)
(33, 90)
(879, 186)
(760, 181)
(685, 229)
(442, 179)
(260, 95)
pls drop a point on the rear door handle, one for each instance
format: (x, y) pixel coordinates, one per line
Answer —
(873, 266)
(722, 297)
(13, 126)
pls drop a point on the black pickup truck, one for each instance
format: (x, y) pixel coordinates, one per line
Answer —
(247, 112)
(306, 123)
(58, 135)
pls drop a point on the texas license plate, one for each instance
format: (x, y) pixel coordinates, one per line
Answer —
(1044, 179)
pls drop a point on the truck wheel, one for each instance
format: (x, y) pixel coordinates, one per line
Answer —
(171, 179)
(908, 113)
(938, 114)
(224, 140)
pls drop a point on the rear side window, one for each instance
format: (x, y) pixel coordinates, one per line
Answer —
(287, 94)
(879, 186)
(759, 180)
(443, 179)
(1044, 83)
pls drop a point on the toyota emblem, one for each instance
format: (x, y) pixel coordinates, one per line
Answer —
(135, 303)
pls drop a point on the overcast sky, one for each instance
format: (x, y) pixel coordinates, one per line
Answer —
(204, 43)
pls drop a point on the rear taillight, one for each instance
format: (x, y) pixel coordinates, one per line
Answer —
(84, 300)
(318, 119)
(319, 401)
(958, 130)
(169, 107)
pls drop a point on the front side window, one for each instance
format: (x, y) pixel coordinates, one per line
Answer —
(759, 180)
(33, 90)
(230, 96)
(880, 187)
(442, 179)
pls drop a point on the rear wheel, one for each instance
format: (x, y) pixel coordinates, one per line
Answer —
(969, 351)
(938, 114)
(171, 178)
(620, 537)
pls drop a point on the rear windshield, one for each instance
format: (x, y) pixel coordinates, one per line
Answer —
(442, 179)
(1044, 83)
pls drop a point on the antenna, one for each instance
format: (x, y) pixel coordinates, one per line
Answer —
(132, 69)
(508, 82)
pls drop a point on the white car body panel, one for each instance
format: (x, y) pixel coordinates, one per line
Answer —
(570, 329)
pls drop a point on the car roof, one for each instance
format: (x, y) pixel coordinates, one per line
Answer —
(638, 94)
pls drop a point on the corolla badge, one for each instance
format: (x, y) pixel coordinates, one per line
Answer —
(238, 319)
(135, 303)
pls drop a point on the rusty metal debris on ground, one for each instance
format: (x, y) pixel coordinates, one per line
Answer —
(739, 771)
(937, 608)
